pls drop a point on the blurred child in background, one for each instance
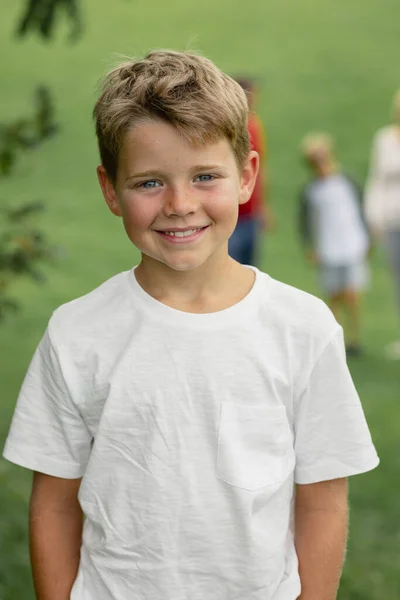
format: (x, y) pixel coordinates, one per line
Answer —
(382, 200)
(335, 234)
(254, 216)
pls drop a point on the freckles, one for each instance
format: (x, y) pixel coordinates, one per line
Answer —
(223, 203)
(140, 212)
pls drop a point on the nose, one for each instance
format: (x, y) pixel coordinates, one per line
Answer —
(179, 201)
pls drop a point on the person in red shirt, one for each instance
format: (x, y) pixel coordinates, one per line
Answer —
(254, 216)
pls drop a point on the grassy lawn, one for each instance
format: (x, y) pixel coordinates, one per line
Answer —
(323, 64)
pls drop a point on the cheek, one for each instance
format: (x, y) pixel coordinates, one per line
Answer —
(139, 213)
(224, 203)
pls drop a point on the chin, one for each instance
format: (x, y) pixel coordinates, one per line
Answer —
(184, 265)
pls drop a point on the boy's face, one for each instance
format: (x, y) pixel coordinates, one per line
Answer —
(166, 185)
(318, 157)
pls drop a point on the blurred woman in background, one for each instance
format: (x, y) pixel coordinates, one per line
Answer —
(382, 200)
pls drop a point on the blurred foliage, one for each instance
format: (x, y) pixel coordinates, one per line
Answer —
(27, 133)
(22, 244)
(14, 565)
(40, 16)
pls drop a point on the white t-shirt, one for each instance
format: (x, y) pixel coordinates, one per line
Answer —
(382, 196)
(189, 431)
(338, 231)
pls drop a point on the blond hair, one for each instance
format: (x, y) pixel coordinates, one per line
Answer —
(314, 142)
(183, 89)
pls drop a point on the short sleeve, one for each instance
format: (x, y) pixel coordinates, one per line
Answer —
(47, 432)
(332, 438)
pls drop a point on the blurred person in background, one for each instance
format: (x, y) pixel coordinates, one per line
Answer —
(382, 200)
(335, 235)
(255, 216)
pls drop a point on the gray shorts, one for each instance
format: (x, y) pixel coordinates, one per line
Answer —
(339, 278)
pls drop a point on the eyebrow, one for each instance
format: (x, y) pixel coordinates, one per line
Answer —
(149, 173)
(155, 173)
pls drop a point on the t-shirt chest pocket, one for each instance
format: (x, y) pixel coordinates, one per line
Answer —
(255, 446)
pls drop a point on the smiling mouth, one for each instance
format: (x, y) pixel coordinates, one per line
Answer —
(182, 232)
(182, 235)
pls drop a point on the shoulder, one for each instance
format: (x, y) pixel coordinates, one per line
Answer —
(348, 178)
(307, 188)
(299, 327)
(300, 314)
(99, 310)
(383, 134)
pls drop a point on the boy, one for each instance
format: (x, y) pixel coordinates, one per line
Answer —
(254, 215)
(177, 405)
(334, 233)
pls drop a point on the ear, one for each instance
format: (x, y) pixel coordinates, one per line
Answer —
(108, 189)
(248, 176)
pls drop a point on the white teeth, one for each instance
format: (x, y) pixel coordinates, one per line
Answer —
(182, 233)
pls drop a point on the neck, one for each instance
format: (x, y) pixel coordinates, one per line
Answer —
(326, 169)
(197, 286)
(209, 288)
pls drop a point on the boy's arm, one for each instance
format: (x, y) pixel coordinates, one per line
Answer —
(321, 517)
(359, 195)
(304, 225)
(55, 524)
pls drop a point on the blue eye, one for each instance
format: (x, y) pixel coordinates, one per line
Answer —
(148, 185)
(205, 178)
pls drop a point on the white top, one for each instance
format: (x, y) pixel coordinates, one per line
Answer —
(339, 234)
(382, 198)
(189, 431)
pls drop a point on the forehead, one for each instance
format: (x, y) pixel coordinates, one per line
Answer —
(156, 143)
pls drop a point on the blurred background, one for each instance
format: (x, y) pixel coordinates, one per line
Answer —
(320, 65)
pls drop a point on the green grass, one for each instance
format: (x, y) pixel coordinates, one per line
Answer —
(324, 64)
